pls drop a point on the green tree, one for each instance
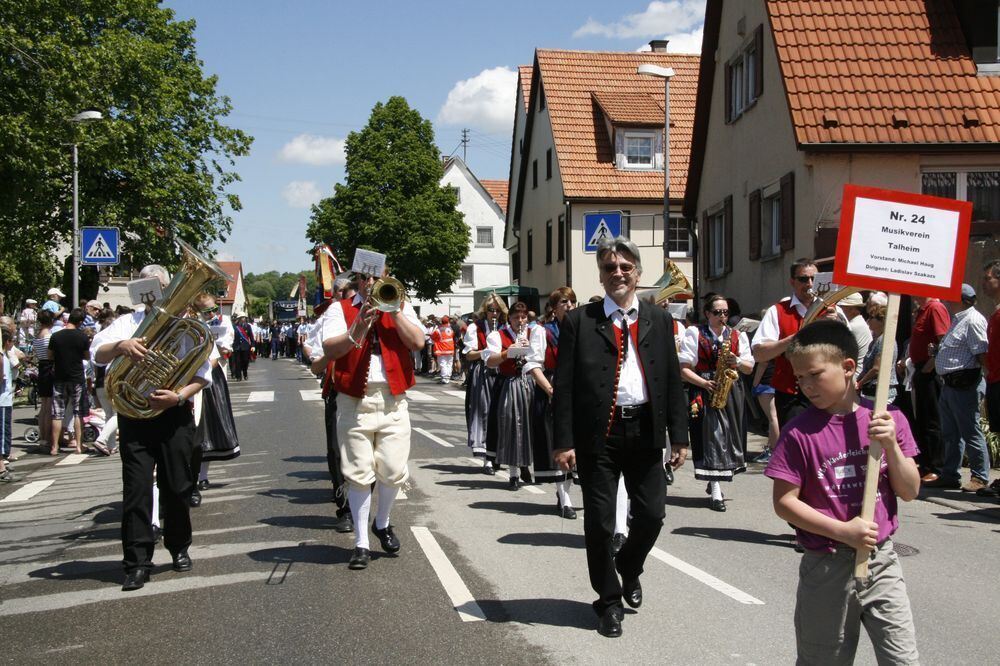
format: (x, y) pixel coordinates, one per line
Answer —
(393, 202)
(158, 166)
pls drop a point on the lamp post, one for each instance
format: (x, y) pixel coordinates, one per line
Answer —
(81, 118)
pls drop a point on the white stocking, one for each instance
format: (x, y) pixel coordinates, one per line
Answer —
(156, 506)
(621, 508)
(386, 496)
(203, 472)
(716, 490)
(562, 492)
(361, 506)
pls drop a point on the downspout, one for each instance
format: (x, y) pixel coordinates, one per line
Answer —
(568, 240)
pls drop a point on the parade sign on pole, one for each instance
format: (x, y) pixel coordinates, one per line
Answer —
(900, 243)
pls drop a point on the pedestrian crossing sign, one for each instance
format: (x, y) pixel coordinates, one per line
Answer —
(599, 226)
(99, 246)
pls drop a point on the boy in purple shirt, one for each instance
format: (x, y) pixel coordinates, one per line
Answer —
(818, 468)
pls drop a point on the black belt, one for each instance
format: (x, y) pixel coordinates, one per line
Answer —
(626, 412)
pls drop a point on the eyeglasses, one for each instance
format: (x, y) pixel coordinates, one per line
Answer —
(624, 268)
(805, 279)
(720, 313)
(214, 308)
(493, 309)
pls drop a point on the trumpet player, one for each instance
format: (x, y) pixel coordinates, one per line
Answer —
(373, 368)
(711, 355)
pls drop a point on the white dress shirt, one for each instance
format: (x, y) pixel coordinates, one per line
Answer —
(768, 329)
(222, 331)
(631, 385)
(124, 327)
(688, 355)
(535, 358)
(334, 324)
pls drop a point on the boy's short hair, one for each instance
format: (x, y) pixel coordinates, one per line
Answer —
(76, 317)
(827, 336)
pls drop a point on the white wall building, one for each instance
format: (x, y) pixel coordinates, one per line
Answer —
(483, 203)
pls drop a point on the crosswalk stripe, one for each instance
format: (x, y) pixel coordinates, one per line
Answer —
(434, 438)
(705, 577)
(457, 394)
(27, 492)
(420, 396)
(454, 586)
(314, 394)
(261, 396)
(61, 600)
(73, 459)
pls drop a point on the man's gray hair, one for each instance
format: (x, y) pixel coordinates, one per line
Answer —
(993, 268)
(620, 245)
(340, 284)
(155, 271)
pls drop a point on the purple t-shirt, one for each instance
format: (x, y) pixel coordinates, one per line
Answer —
(825, 455)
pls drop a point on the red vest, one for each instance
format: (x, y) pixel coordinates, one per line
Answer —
(509, 367)
(708, 353)
(789, 322)
(350, 372)
(551, 348)
(481, 335)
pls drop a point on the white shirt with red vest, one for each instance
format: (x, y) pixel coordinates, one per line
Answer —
(333, 324)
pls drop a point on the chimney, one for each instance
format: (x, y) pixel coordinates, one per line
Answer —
(658, 45)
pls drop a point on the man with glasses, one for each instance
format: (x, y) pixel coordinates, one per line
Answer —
(617, 396)
(780, 324)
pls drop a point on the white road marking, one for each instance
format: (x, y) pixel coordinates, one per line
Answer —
(103, 543)
(457, 394)
(461, 598)
(73, 459)
(261, 396)
(62, 600)
(434, 438)
(705, 577)
(27, 492)
(315, 394)
(401, 495)
(223, 498)
(419, 396)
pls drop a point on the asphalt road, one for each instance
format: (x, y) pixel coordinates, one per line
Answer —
(485, 575)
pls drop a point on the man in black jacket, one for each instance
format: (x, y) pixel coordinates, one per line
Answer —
(618, 395)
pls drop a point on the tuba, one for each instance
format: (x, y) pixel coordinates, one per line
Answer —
(824, 301)
(677, 286)
(176, 346)
(386, 295)
(724, 375)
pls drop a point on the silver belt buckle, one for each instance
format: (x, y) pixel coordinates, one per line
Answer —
(630, 411)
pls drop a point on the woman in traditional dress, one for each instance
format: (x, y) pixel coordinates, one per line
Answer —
(482, 381)
(561, 301)
(718, 436)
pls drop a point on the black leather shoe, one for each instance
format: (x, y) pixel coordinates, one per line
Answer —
(668, 473)
(135, 579)
(566, 512)
(718, 505)
(203, 484)
(488, 470)
(387, 538)
(360, 559)
(195, 499)
(514, 483)
(610, 624)
(182, 561)
(632, 592)
(344, 522)
(617, 541)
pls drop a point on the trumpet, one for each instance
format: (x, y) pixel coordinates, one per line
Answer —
(386, 295)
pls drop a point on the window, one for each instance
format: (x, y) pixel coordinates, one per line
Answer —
(678, 239)
(548, 242)
(562, 238)
(534, 174)
(484, 236)
(548, 164)
(744, 76)
(467, 275)
(716, 249)
(458, 193)
(980, 20)
(639, 151)
(770, 226)
(981, 187)
(531, 248)
(515, 266)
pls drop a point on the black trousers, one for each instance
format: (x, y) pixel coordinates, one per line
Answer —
(789, 405)
(629, 452)
(993, 405)
(239, 361)
(927, 421)
(166, 442)
(333, 450)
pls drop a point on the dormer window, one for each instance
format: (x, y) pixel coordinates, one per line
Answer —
(980, 20)
(639, 149)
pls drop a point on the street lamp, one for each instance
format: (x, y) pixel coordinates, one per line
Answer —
(82, 118)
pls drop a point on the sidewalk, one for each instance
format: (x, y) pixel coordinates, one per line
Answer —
(27, 457)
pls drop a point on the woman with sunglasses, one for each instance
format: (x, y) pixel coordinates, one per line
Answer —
(718, 436)
(561, 301)
(482, 381)
(868, 377)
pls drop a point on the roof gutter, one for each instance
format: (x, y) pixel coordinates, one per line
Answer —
(900, 147)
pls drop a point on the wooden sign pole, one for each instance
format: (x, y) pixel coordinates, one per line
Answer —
(885, 367)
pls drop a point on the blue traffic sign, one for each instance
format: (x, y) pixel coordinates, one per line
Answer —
(600, 226)
(99, 246)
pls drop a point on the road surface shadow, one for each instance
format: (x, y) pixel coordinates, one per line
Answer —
(308, 554)
(985, 515)
(454, 469)
(517, 508)
(736, 534)
(306, 459)
(299, 495)
(688, 502)
(549, 612)
(311, 474)
(312, 522)
(483, 483)
(559, 540)
(102, 572)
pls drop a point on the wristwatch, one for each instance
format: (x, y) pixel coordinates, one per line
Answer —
(181, 400)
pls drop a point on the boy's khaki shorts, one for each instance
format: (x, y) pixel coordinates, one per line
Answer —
(831, 606)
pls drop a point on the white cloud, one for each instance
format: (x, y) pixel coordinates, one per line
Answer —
(659, 18)
(315, 150)
(486, 101)
(301, 193)
(689, 42)
(225, 256)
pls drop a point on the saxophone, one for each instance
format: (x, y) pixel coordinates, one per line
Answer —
(724, 375)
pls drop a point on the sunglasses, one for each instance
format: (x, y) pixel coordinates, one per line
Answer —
(805, 279)
(624, 268)
(214, 308)
(493, 309)
(720, 313)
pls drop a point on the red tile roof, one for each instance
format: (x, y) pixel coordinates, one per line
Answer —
(233, 269)
(498, 190)
(631, 109)
(878, 73)
(524, 76)
(570, 79)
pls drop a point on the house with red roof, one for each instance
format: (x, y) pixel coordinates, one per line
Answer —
(798, 98)
(588, 137)
(234, 300)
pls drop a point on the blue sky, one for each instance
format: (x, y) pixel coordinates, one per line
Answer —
(302, 74)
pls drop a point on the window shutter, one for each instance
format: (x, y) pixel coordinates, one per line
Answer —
(754, 202)
(619, 149)
(727, 225)
(705, 247)
(788, 211)
(758, 43)
(729, 93)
